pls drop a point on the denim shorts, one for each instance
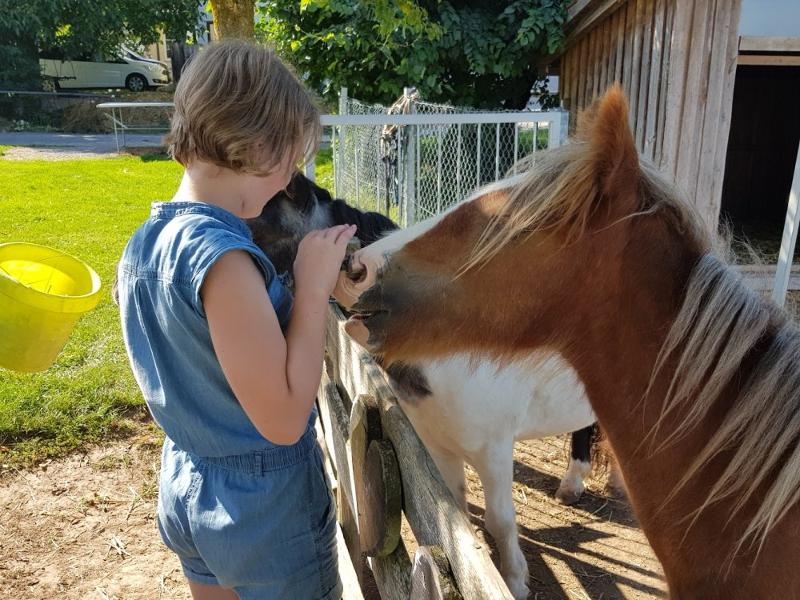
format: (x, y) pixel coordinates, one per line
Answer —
(261, 523)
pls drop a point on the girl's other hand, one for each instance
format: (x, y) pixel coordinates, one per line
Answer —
(319, 259)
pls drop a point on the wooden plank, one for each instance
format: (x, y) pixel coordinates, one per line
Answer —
(726, 110)
(610, 51)
(769, 60)
(390, 572)
(749, 43)
(594, 71)
(351, 587)
(666, 52)
(714, 142)
(694, 99)
(583, 79)
(428, 505)
(643, 104)
(431, 578)
(394, 574)
(636, 61)
(619, 54)
(762, 277)
(602, 58)
(578, 9)
(567, 78)
(676, 87)
(627, 59)
(655, 78)
(594, 15)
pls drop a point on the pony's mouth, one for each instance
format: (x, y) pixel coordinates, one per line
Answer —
(363, 316)
(367, 328)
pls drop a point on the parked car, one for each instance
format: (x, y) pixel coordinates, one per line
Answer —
(123, 69)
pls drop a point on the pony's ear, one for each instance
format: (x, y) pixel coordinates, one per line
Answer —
(604, 126)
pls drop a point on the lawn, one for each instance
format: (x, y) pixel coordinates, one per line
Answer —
(87, 208)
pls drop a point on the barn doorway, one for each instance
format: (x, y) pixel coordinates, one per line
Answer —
(762, 150)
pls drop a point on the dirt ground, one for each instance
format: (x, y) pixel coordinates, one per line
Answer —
(83, 527)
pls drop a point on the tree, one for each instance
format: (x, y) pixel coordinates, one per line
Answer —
(73, 28)
(233, 18)
(470, 53)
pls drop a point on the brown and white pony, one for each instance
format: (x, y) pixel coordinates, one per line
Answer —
(694, 378)
(464, 410)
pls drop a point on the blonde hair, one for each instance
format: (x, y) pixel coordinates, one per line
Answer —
(239, 107)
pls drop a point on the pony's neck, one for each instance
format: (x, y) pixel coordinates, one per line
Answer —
(627, 322)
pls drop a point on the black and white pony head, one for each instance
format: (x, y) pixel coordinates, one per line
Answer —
(300, 208)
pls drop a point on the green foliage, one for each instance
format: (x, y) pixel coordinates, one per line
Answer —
(469, 53)
(71, 28)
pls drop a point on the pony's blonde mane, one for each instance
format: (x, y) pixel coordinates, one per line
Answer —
(557, 190)
(727, 337)
(722, 331)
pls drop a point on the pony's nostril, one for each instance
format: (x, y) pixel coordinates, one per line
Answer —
(356, 276)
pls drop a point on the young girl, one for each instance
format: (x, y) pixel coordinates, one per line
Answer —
(228, 362)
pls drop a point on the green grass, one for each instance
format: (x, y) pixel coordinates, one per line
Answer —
(3, 150)
(88, 208)
(324, 169)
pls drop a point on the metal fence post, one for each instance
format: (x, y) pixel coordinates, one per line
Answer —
(789, 240)
(337, 168)
(410, 174)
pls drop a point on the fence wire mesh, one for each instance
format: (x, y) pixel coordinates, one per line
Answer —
(413, 172)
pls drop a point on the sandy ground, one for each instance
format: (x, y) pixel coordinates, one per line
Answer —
(83, 527)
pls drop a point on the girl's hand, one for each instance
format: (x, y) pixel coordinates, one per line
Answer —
(319, 259)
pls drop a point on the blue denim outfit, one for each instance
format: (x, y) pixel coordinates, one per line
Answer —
(238, 510)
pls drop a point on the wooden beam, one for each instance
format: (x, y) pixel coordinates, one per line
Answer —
(351, 588)
(664, 81)
(761, 278)
(392, 573)
(676, 87)
(654, 84)
(770, 60)
(646, 73)
(589, 17)
(749, 43)
(719, 108)
(430, 508)
(578, 8)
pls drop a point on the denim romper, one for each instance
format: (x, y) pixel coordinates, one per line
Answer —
(238, 510)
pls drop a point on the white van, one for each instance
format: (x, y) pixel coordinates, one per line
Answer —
(124, 69)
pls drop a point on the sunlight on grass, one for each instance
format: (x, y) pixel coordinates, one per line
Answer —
(88, 208)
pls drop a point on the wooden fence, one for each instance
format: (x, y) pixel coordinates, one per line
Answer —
(382, 472)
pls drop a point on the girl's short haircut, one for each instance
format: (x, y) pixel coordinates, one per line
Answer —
(239, 107)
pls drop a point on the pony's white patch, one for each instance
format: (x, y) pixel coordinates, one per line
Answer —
(476, 411)
(298, 224)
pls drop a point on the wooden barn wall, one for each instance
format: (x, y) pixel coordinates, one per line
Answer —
(676, 60)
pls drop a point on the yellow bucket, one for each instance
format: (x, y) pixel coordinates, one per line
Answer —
(43, 292)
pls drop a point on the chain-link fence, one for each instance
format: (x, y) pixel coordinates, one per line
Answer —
(422, 158)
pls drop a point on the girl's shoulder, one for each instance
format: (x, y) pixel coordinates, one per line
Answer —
(181, 240)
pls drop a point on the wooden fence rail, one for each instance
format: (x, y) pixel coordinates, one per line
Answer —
(381, 468)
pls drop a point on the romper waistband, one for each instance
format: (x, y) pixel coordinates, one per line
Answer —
(260, 462)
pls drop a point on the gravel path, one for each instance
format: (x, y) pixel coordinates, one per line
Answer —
(69, 146)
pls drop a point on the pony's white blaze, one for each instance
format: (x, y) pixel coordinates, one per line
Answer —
(371, 259)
